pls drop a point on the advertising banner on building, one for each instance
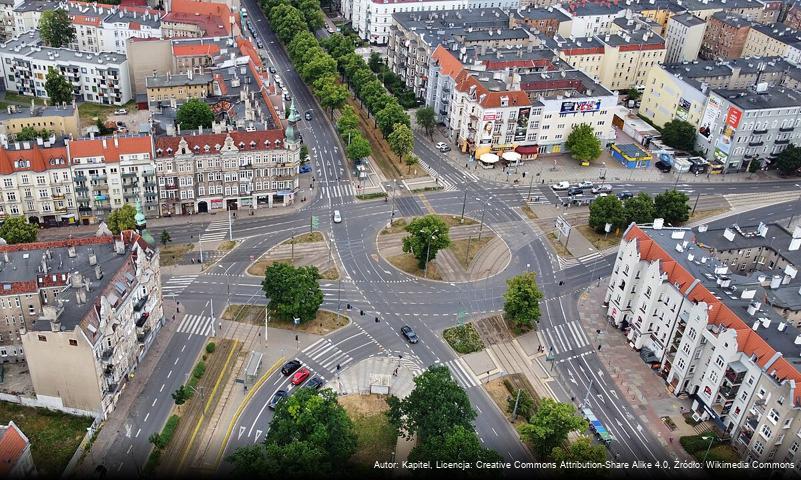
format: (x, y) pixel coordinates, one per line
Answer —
(487, 124)
(710, 114)
(581, 106)
(522, 123)
(723, 145)
(683, 109)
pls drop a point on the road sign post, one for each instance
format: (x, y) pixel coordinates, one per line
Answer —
(314, 223)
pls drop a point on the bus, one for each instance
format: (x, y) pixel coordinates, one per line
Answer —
(243, 12)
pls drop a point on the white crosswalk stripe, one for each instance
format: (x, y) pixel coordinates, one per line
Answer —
(196, 325)
(590, 256)
(461, 373)
(216, 230)
(338, 191)
(327, 355)
(565, 337)
(176, 285)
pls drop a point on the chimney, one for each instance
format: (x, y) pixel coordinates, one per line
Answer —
(93, 259)
(98, 272)
(71, 252)
(119, 247)
(775, 282)
(104, 143)
(76, 279)
(116, 141)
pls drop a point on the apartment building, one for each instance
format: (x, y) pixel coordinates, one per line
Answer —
(758, 11)
(372, 19)
(176, 89)
(7, 18)
(62, 120)
(101, 78)
(101, 323)
(585, 54)
(16, 460)
(705, 327)
(725, 36)
(739, 125)
(109, 172)
(681, 90)
(685, 34)
(545, 20)
(588, 19)
(773, 40)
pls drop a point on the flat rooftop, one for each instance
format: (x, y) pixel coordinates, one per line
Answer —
(29, 45)
(38, 111)
(687, 19)
(772, 98)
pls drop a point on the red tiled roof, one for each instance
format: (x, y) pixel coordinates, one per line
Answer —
(12, 446)
(452, 67)
(110, 152)
(448, 64)
(86, 20)
(212, 25)
(206, 9)
(211, 139)
(38, 157)
(194, 50)
(748, 341)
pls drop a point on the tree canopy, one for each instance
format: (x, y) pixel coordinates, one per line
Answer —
(605, 210)
(401, 140)
(348, 119)
(427, 236)
(312, 14)
(30, 133)
(332, 95)
(55, 28)
(358, 148)
(788, 161)
(287, 21)
(679, 134)
(639, 209)
(389, 117)
(522, 300)
(58, 89)
(292, 291)
(673, 206)
(18, 230)
(193, 114)
(583, 144)
(582, 450)
(426, 119)
(549, 426)
(121, 219)
(459, 444)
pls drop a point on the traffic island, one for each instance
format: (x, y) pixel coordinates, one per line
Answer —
(376, 438)
(324, 323)
(308, 249)
(476, 251)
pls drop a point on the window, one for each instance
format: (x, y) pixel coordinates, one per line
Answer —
(73, 342)
(765, 431)
(719, 361)
(42, 338)
(691, 333)
(713, 377)
(773, 416)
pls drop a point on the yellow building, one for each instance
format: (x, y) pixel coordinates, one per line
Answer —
(668, 96)
(628, 57)
(771, 41)
(177, 88)
(59, 120)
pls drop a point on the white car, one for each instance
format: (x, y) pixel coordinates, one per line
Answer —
(120, 111)
(605, 188)
(585, 184)
(337, 217)
(560, 186)
(441, 145)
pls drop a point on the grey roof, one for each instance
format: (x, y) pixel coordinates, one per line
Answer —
(696, 71)
(560, 43)
(177, 80)
(687, 19)
(592, 8)
(671, 5)
(737, 21)
(704, 271)
(152, 21)
(540, 13)
(38, 111)
(780, 32)
(773, 98)
(444, 19)
(696, 5)
(30, 45)
(106, 14)
(544, 84)
(36, 6)
(639, 37)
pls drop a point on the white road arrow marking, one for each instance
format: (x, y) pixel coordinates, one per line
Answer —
(257, 437)
(613, 393)
(572, 379)
(241, 431)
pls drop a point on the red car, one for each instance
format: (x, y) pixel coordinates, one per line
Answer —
(300, 376)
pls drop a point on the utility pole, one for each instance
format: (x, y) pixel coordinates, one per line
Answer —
(517, 401)
(200, 245)
(467, 255)
(292, 245)
(213, 318)
(230, 227)
(464, 204)
(697, 197)
(530, 184)
(481, 227)
(428, 251)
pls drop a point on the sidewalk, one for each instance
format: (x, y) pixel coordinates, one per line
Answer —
(643, 387)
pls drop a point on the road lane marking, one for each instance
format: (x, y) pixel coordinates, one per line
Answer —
(147, 416)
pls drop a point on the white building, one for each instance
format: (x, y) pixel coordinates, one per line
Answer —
(589, 19)
(685, 34)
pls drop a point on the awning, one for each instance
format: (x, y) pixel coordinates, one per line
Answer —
(482, 150)
(489, 158)
(511, 156)
(528, 149)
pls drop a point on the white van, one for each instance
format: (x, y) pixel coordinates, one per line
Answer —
(337, 217)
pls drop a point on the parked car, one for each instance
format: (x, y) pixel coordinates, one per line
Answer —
(663, 167)
(561, 186)
(305, 168)
(259, 44)
(315, 383)
(441, 145)
(408, 332)
(300, 376)
(575, 191)
(604, 188)
(272, 69)
(279, 396)
(445, 149)
(625, 195)
(585, 184)
(308, 115)
(329, 28)
(290, 367)
(120, 111)
(287, 97)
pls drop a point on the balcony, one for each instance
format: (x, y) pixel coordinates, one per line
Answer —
(782, 142)
(80, 177)
(760, 131)
(142, 319)
(149, 173)
(109, 370)
(103, 208)
(729, 391)
(81, 188)
(107, 353)
(140, 304)
(100, 177)
(129, 175)
(786, 129)
(756, 144)
(141, 336)
(111, 387)
(130, 195)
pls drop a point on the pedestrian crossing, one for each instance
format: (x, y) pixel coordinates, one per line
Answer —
(565, 337)
(461, 373)
(343, 190)
(449, 182)
(215, 231)
(196, 325)
(176, 285)
(327, 355)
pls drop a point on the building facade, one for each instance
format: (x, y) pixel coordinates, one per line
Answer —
(773, 40)
(62, 120)
(16, 460)
(725, 36)
(685, 34)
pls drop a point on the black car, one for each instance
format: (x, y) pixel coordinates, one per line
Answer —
(290, 367)
(315, 383)
(277, 398)
(575, 191)
(625, 195)
(409, 334)
(259, 44)
(662, 166)
(272, 70)
(308, 115)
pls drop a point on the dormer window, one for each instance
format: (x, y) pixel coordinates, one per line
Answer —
(159, 151)
(22, 164)
(278, 142)
(241, 144)
(206, 148)
(252, 144)
(196, 148)
(217, 147)
(169, 151)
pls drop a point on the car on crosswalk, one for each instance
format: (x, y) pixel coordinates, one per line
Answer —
(315, 383)
(337, 217)
(279, 396)
(300, 376)
(290, 367)
(585, 184)
(605, 188)
(560, 186)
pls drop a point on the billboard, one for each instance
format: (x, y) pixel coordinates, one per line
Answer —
(683, 109)
(485, 132)
(723, 144)
(562, 225)
(521, 128)
(581, 107)
(710, 115)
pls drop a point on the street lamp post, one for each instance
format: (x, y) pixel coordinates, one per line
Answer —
(711, 439)
(464, 204)
(530, 184)
(428, 250)
(484, 211)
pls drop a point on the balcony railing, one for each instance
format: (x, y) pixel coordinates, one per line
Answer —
(760, 132)
(782, 142)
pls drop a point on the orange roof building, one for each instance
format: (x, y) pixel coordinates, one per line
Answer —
(15, 453)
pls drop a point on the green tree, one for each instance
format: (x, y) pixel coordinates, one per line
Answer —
(193, 114)
(29, 134)
(333, 96)
(302, 42)
(304, 152)
(350, 64)
(55, 28)
(425, 118)
(375, 62)
(679, 134)
(320, 66)
(582, 450)
(293, 291)
(121, 219)
(639, 209)
(181, 395)
(583, 144)
(373, 94)
(389, 117)
(287, 21)
(312, 14)
(459, 444)
(522, 300)
(18, 230)
(165, 237)
(58, 89)
(525, 404)
(673, 206)
(358, 148)
(411, 160)
(550, 425)
(348, 119)
(338, 46)
(605, 210)
(427, 236)
(436, 406)
(401, 140)
(310, 436)
(754, 165)
(360, 78)
(633, 94)
(789, 160)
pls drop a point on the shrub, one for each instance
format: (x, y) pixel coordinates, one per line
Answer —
(211, 347)
(463, 338)
(525, 405)
(199, 370)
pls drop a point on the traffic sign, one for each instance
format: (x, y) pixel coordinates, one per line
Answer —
(460, 317)
(315, 221)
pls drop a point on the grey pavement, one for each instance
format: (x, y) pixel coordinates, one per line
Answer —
(381, 370)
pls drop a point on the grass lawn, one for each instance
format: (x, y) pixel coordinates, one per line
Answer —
(325, 322)
(54, 436)
(598, 240)
(330, 274)
(312, 237)
(258, 267)
(408, 264)
(226, 246)
(499, 394)
(463, 338)
(23, 99)
(558, 246)
(397, 226)
(376, 438)
(88, 111)
(170, 254)
(382, 156)
(400, 224)
(697, 446)
(459, 248)
(526, 208)
(702, 214)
